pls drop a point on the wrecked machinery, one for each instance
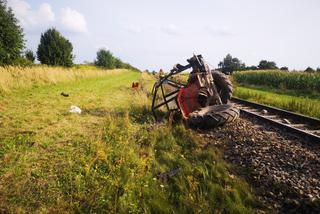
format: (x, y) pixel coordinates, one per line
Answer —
(203, 100)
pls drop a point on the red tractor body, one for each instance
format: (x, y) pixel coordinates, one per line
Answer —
(203, 101)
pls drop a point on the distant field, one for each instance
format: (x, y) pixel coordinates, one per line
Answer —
(107, 159)
(18, 77)
(297, 92)
(308, 83)
(302, 105)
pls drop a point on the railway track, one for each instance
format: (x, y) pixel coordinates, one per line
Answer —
(302, 126)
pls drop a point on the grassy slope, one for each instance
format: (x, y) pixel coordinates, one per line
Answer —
(281, 99)
(107, 158)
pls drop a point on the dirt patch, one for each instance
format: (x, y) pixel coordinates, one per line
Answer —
(284, 170)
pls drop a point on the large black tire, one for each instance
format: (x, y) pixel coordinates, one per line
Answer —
(213, 116)
(224, 86)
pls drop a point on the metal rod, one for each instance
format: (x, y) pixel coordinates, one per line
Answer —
(161, 104)
(164, 97)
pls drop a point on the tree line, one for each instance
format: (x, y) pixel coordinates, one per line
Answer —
(54, 49)
(230, 64)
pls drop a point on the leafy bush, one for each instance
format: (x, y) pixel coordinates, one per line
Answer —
(253, 67)
(309, 69)
(30, 56)
(11, 36)
(264, 64)
(106, 60)
(22, 61)
(54, 49)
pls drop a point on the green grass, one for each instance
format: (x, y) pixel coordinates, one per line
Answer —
(294, 91)
(308, 83)
(291, 102)
(107, 159)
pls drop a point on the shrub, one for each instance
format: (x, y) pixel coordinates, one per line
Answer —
(22, 61)
(267, 65)
(30, 56)
(54, 49)
(118, 63)
(106, 60)
(309, 69)
(253, 67)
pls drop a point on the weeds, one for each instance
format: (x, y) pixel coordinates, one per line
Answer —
(108, 159)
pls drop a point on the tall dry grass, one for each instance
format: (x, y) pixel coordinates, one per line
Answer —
(13, 77)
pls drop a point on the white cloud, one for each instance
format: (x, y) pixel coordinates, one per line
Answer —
(35, 19)
(30, 18)
(99, 47)
(133, 29)
(219, 31)
(45, 13)
(73, 21)
(170, 29)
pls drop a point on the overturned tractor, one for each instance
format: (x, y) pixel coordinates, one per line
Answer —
(203, 101)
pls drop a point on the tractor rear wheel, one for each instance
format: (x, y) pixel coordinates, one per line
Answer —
(213, 116)
(224, 86)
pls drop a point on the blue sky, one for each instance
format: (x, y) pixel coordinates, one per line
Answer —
(158, 34)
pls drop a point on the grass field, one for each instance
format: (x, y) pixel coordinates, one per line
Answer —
(107, 159)
(304, 82)
(293, 91)
(26, 77)
(290, 102)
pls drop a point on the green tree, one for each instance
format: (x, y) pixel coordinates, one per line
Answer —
(11, 36)
(309, 69)
(270, 65)
(284, 68)
(230, 64)
(252, 67)
(106, 59)
(118, 63)
(30, 56)
(54, 49)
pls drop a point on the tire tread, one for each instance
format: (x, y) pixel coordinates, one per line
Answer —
(212, 117)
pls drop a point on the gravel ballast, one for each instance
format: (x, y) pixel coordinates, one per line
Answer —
(284, 170)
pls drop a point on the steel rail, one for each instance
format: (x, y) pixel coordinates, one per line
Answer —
(302, 126)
